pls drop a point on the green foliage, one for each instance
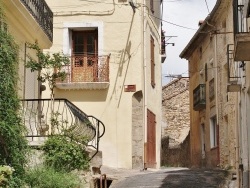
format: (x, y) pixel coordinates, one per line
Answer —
(5, 175)
(13, 145)
(47, 177)
(64, 154)
(48, 66)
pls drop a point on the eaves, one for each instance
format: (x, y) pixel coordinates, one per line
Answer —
(202, 32)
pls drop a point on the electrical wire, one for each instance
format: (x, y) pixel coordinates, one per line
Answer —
(207, 7)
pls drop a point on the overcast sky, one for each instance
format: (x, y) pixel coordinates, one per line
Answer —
(186, 13)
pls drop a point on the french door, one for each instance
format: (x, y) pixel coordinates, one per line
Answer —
(85, 56)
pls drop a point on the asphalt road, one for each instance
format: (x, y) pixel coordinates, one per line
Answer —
(184, 178)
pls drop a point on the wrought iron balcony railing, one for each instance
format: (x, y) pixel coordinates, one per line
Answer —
(42, 14)
(199, 97)
(46, 117)
(85, 68)
(234, 70)
(234, 67)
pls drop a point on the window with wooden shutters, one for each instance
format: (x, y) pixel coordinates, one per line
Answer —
(152, 59)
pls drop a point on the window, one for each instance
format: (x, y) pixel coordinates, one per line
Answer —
(205, 72)
(152, 59)
(84, 45)
(84, 56)
(200, 52)
(211, 89)
(213, 132)
(152, 6)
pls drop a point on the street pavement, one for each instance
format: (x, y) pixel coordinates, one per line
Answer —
(167, 178)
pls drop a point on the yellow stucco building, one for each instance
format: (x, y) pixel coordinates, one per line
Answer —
(27, 22)
(115, 73)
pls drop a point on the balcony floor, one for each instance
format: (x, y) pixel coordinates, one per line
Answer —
(83, 85)
(242, 47)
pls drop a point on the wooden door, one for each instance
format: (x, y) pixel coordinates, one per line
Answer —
(84, 56)
(151, 141)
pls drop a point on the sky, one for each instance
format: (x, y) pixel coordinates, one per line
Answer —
(185, 13)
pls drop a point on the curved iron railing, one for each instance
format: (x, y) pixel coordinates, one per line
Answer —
(46, 117)
(42, 14)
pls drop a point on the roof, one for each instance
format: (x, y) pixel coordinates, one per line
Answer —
(200, 34)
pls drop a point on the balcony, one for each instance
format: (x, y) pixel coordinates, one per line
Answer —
(163, 47)
(44, 117)
(199, 97)
(234, 71)
(86, 72)
(42, 14)
(242, 35)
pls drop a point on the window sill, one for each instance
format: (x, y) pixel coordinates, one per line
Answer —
(214, 148)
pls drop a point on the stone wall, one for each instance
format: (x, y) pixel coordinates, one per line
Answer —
(176, 121)
(137, 131)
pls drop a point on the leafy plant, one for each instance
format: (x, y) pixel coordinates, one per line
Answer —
(65, 155)
(5, 175)
(13, 145)
(47, 177)
(49, 67)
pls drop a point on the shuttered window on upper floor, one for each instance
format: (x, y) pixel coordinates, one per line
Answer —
(152, 61)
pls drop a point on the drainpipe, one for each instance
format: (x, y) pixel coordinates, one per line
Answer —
(246, 143)
(216, 96)
(237, 160)
(144, 80)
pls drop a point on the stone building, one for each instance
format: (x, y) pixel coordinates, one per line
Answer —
(176, 123)
(213, 111)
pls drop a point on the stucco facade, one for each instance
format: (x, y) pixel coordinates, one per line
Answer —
(213, 112)
(24, 28)
(124, 37)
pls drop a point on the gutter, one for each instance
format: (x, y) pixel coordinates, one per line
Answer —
(185, 53)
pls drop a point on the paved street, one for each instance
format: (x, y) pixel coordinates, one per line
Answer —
(171, 178)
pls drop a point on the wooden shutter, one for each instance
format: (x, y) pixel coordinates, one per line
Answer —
(151, 140)
(152, 57)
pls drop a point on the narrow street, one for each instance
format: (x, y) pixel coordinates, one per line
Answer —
(172, 178)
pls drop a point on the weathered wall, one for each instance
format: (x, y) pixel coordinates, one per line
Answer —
(176, 122)
(137, 131)
(207, 63)
(175, 156)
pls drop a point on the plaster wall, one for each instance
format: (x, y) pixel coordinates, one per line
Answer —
(120, 33)
(24, 29)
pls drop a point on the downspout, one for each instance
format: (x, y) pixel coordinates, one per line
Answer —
(216, 96)
(237, 131)
(144, 80)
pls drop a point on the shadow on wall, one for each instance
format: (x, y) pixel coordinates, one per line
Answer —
(178, 156)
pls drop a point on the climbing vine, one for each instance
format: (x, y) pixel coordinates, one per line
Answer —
(13, 145)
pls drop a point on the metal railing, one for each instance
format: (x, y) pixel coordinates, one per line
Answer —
(85, 68)
(46, 117)
(42, 14)
(199, 97)
(234, 67)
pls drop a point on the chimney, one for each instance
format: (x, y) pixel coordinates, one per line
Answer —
(200, 22)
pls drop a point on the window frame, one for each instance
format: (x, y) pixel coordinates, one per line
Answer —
(213, 132)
